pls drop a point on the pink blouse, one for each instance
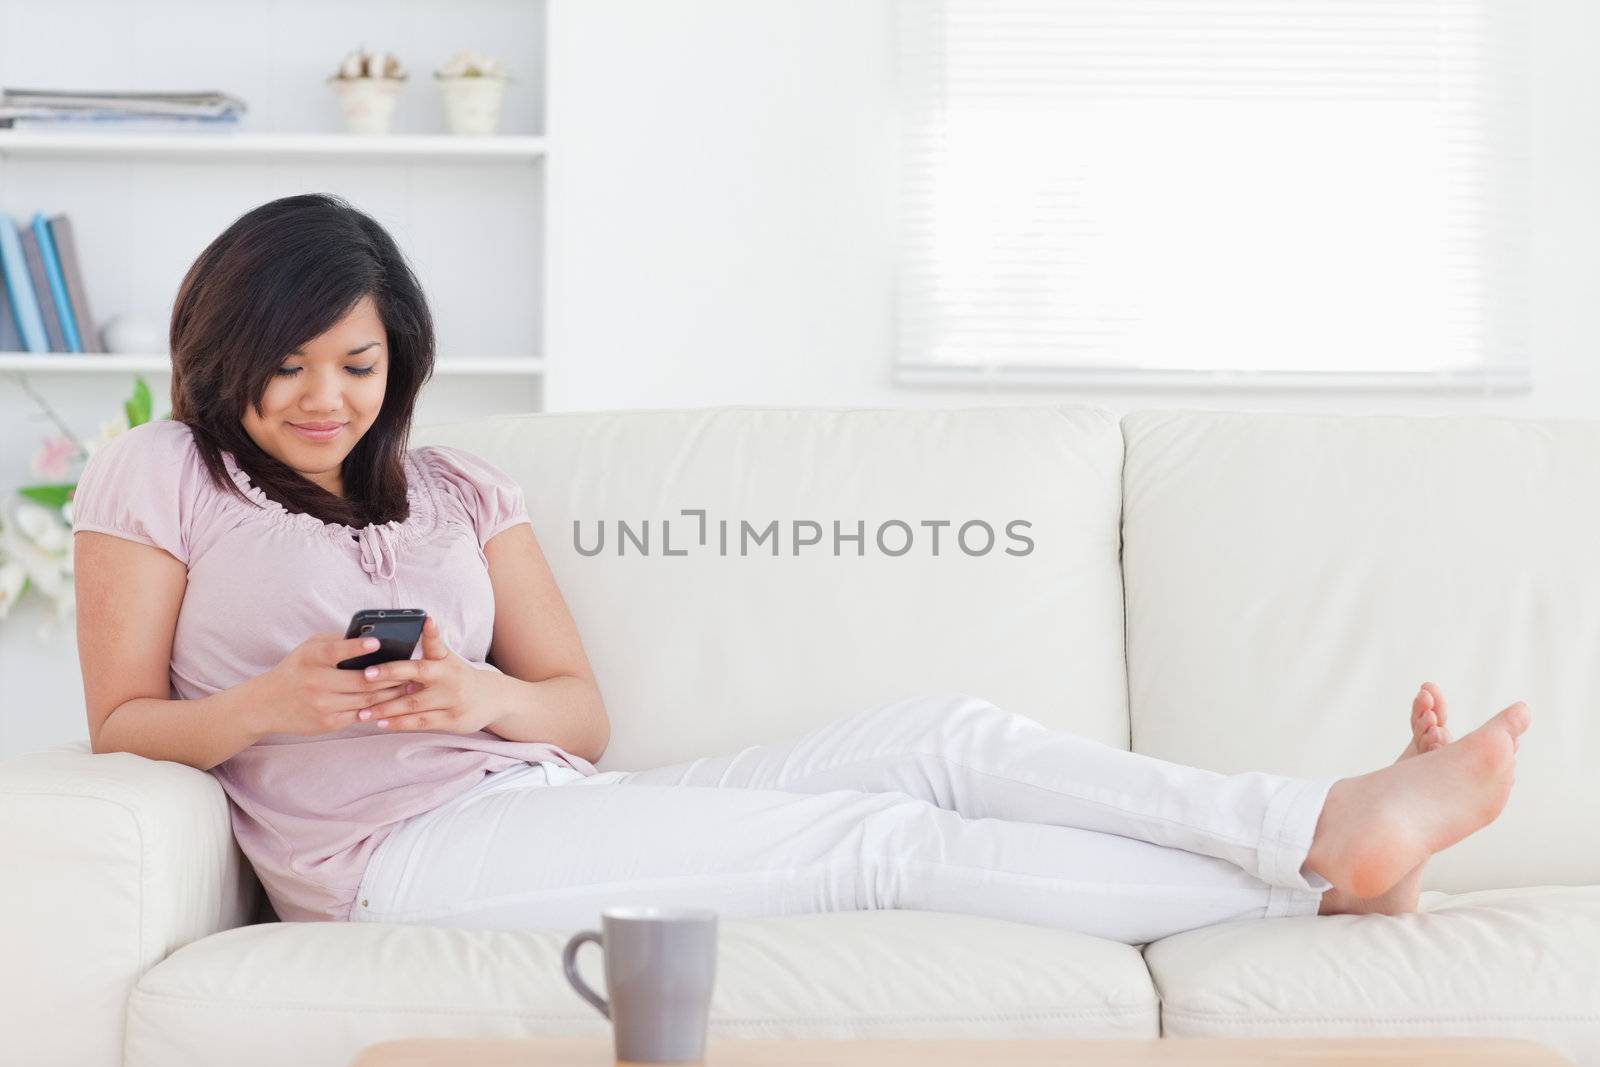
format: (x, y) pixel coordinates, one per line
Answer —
(308, 811)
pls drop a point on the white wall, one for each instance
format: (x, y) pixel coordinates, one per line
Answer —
(721, 189)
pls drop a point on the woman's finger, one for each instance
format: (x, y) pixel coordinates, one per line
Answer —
(419, 701)
(433, 646)
(389, 697)
(421, 720)
(362, 701)
(414, 670)
(357, 682)
(337, 649)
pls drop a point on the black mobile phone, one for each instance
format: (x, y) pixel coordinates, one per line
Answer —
(399, 630)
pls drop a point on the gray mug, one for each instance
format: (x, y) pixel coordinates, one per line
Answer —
(660, 966)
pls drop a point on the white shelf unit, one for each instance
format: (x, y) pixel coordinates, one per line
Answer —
(400, 147)
(507, 149)
(98, 363)
(468, 211)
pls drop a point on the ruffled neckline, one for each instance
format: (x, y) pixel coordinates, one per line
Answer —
(422, 517)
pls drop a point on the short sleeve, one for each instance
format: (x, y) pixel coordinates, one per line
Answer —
(140, 486)
(492, 498)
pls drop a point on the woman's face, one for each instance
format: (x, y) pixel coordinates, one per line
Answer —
(335, 379)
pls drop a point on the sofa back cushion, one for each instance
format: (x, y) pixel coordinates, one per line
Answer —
(724, 643)
(1291, 581)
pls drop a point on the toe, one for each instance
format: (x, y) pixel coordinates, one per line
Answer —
(1436, 698)
(1519, 718)
(1513, 720)
(1419, 707)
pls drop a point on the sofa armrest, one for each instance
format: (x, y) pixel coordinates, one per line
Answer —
(111, 862)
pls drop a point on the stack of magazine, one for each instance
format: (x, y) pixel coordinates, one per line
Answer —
(45, 307)
(62, 109)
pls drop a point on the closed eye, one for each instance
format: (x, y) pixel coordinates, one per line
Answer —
(359, 372)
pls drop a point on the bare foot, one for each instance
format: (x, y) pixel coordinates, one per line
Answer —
(1428, 732)
(1377, 827)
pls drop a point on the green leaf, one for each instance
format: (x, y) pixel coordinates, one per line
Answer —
(138, 408)
(51, 496)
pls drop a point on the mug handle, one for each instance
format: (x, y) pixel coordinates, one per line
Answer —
(569, 963)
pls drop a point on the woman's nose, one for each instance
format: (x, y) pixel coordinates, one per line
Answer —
(324, 392)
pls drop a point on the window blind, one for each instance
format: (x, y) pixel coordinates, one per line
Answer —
(1169, 190)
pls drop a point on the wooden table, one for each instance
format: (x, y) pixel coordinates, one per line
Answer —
(1321, 1052)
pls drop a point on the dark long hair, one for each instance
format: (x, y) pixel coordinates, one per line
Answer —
(281, 275)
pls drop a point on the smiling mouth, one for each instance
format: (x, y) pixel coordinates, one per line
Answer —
(325, 432)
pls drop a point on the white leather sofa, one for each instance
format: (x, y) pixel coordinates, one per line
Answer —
(1232, 591)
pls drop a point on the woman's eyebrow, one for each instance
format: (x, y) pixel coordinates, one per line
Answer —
(352, 352)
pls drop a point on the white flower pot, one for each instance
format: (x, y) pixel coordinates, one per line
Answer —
(472, 105)
(368, 103)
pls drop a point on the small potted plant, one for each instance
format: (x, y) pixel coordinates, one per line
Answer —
(474, 88)
(369, 84)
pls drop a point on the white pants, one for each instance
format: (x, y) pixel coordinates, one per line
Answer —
(938, 803)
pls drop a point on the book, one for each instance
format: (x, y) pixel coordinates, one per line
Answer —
(45, 103)
(98, 123)
(24, 304)
(53, 337)
(10, 338)
(58, 284)
(131, 97)
(67, 252)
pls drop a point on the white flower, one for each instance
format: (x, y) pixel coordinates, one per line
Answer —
(35, 541)
(12, 575)
(363, 64)
(108, 430)
(43, 527)
(470, 64)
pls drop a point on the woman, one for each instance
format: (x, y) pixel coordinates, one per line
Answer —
(219, 554)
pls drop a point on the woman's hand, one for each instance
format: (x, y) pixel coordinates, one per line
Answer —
(308, 694)
(442, 691)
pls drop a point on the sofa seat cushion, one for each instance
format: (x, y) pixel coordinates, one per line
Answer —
(317, 993)
(1505, 962)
